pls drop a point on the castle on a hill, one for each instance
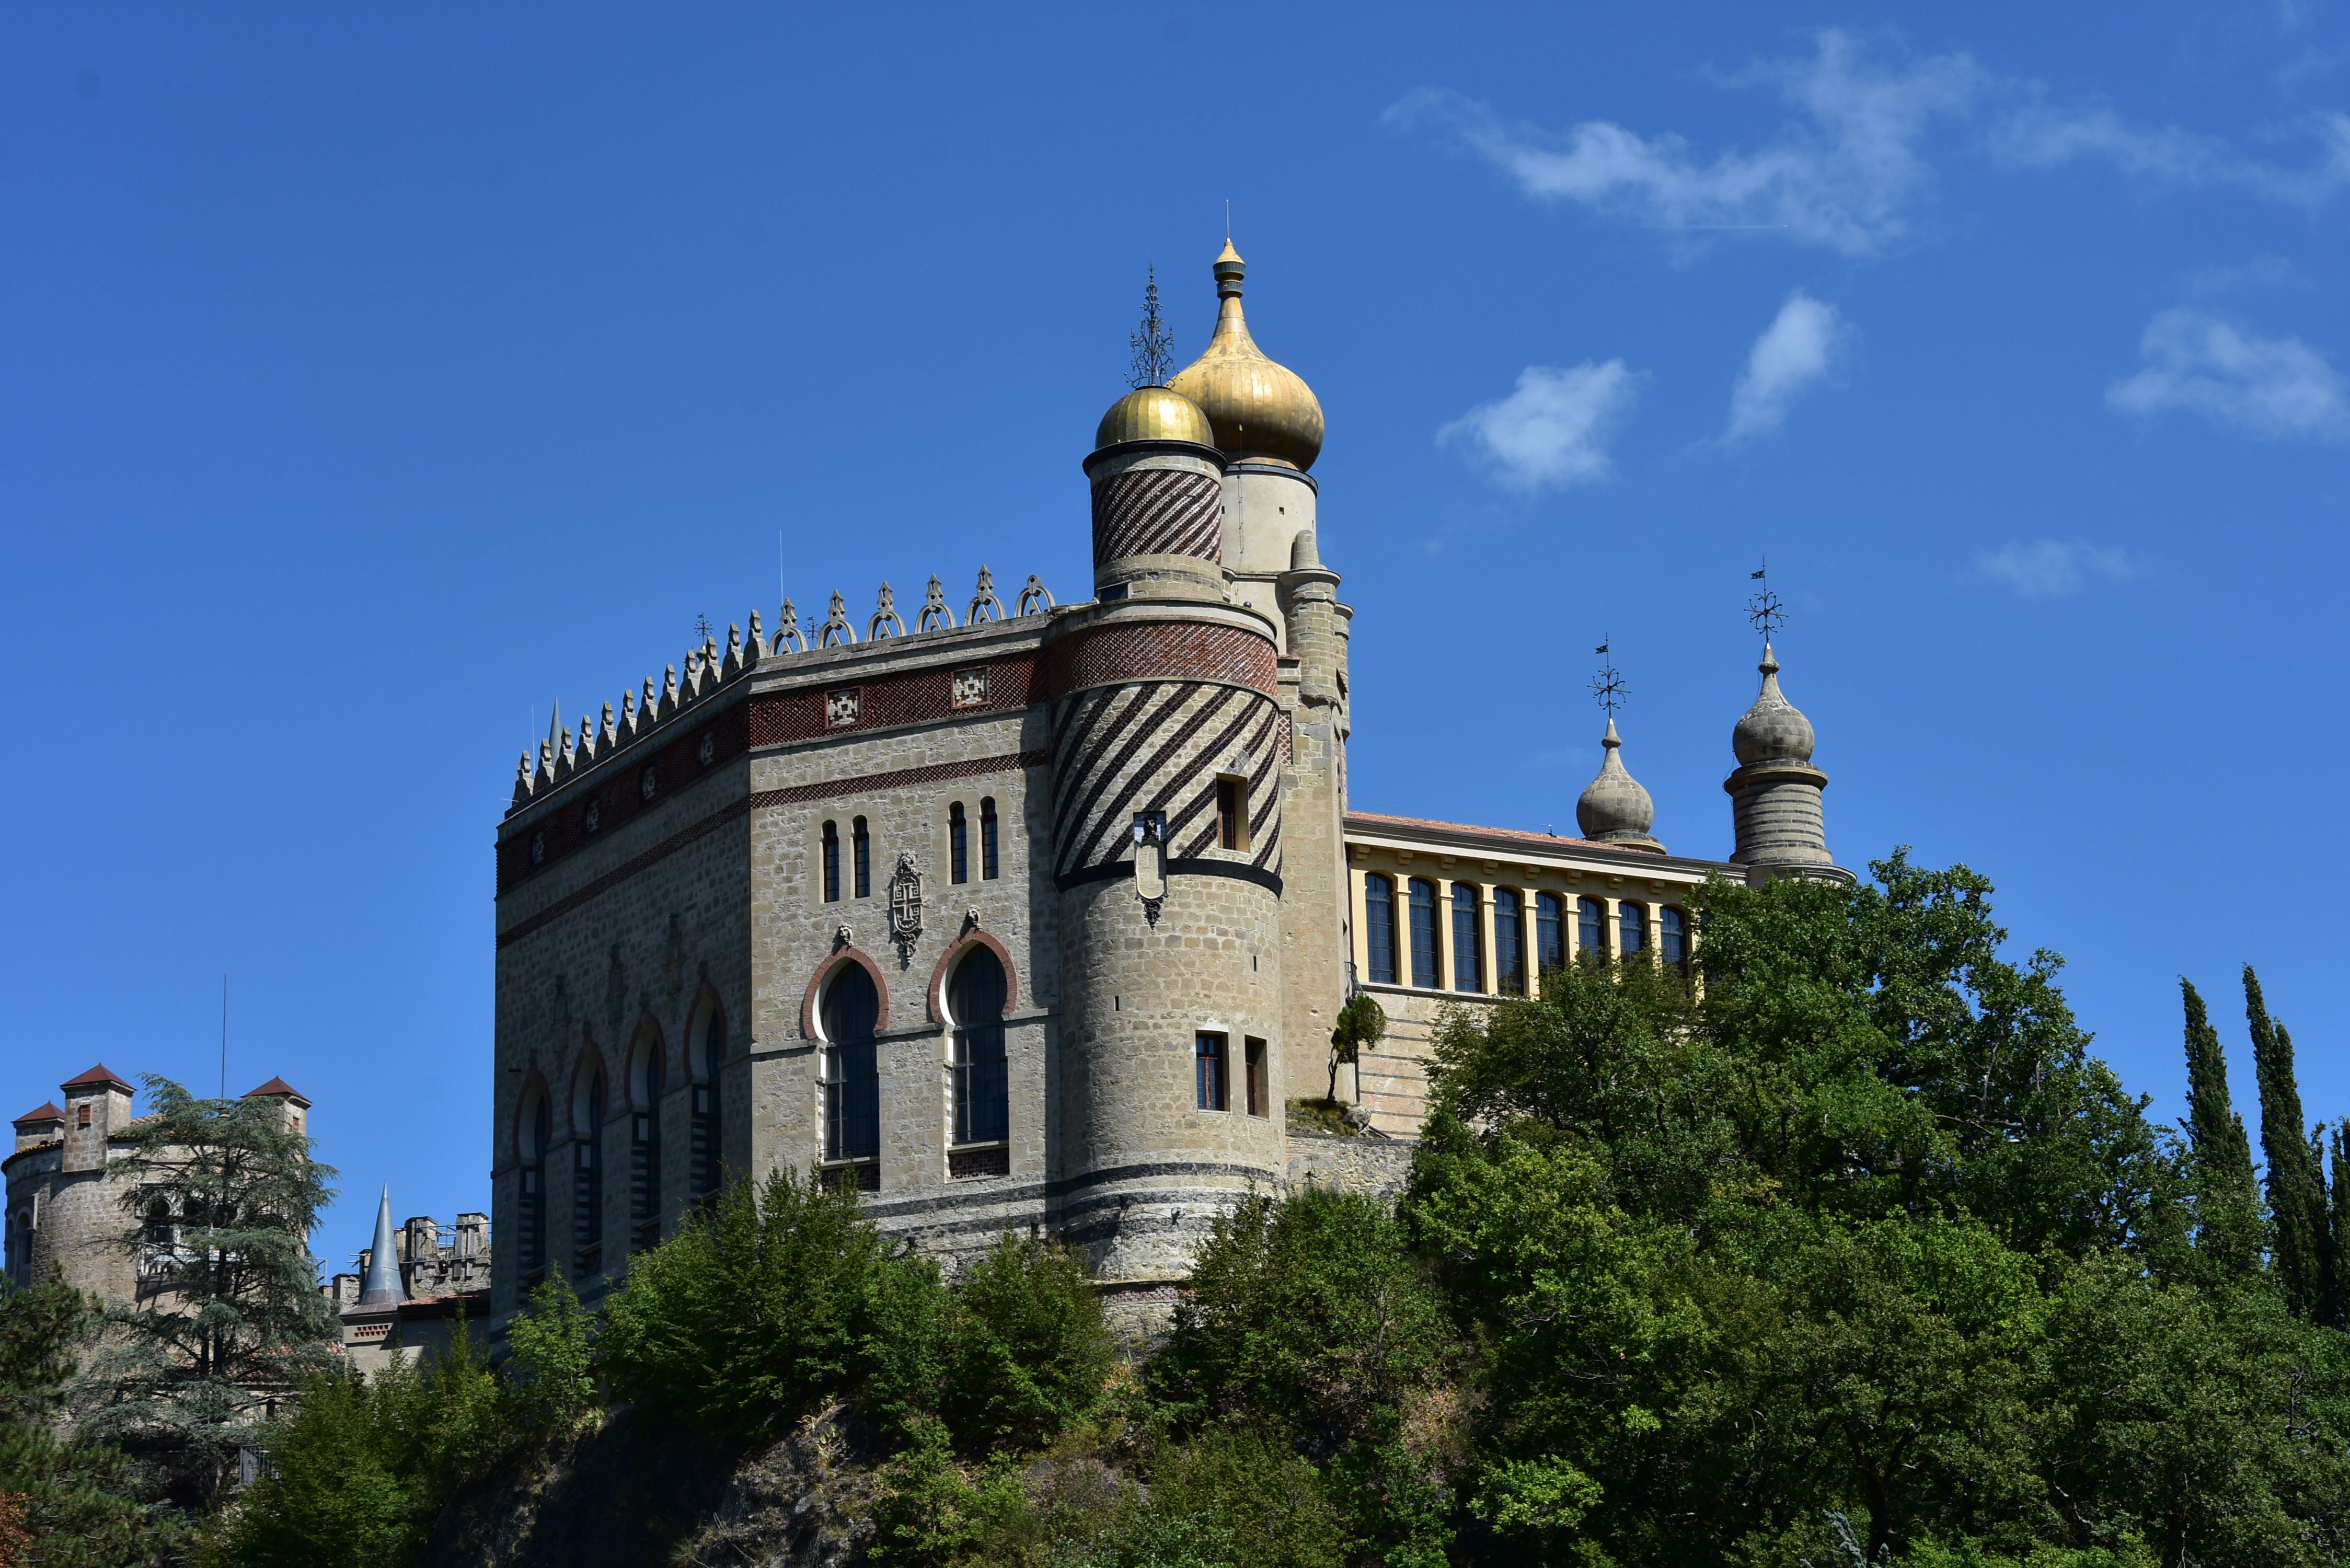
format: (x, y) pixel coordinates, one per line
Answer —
(1034, 916)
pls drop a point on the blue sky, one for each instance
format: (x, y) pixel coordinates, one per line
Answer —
(370, 379)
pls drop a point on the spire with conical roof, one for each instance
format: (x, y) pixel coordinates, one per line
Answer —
(1615, 809)
(381, 1288)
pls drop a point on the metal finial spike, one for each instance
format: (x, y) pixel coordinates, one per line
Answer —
(1607, 688)
(1153, 343)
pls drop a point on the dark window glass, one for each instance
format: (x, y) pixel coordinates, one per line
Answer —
(987, 839)
(1632, 927)
(534, 1191)
(831, 862)
(1378, 927)
(1254, 1065)
(958, 844)
(644, 1156)
(1509, 943)
(864, 846)
(1423, 934)
(587, 1185)
(1228, 814)
(1672, 937)
(1467, 951)
(982, 1100)
(1549, 931)
(709, 1168)
(1208, 1059)
(1591, 930)
(852, 1086)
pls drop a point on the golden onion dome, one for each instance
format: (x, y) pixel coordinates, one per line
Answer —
(1258, 409)
(1153, 413)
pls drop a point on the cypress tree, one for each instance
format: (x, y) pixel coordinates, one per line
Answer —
(2338, 1296)
(2228, 1214)
(2296, 1182)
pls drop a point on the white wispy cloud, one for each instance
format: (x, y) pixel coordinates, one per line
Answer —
(2041, 137)
(2051, 568)
(1841, 179)
(1801, 344)
(1552, 432)
(2275, 387)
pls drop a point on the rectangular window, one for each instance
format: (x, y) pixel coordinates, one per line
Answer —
(1208, 1060)
(1509, 943)
(1468, 954)
(1254, 1061)
(1632, 927)
(864, 846)
(81, 1114)
(1672, 937)
(1423, 934)
(852, 1102)
(1549, 931)
(1378, 929)
(1232, 814)
(987, 838)
(982, 1103)
(1591, 930)
(958, 843)
(831, 862)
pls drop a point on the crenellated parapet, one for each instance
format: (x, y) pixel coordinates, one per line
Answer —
(709, 668)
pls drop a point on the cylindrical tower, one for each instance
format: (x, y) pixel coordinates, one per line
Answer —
(1775, 806)
(1167, 745)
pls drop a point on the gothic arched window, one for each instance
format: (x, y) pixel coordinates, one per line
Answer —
(1423, 935)
(982, 1099)
(1509, 943)
(1549, 931)
(1467, 952)
(852, 1077)
(1378, 927)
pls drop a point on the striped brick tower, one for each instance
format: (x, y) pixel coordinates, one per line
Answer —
(1169, 741)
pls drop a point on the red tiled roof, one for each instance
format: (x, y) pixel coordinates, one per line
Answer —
(1372, 819)
(47, 1112)
(101, 1074)
(280, 1088)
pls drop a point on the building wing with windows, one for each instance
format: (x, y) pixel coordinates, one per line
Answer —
(1034, 916)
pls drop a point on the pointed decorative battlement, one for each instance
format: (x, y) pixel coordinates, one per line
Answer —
(561, 756)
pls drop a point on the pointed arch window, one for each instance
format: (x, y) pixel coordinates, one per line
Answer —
(1378, 927)
(982, 1110)
(852, 1076)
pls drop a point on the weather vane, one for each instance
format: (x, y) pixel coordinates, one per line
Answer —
(1607, 687)
(701, 629)
(1154, 346)
(1764, 612)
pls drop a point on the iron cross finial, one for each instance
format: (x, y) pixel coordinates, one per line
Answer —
(1607, 688)
(1765, 611)
(1153, 345)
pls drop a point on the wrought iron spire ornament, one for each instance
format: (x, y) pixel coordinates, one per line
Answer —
(1607, 688)
(1764, 612)
(1153, 345)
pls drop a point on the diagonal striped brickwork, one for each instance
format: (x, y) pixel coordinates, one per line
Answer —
(1123, 750)
(1158, 511)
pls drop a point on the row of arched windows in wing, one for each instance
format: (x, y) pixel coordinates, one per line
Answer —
(1424, 934)
(958, 856)
(580, 1157)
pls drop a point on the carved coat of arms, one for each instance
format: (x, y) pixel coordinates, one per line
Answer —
(906, 908)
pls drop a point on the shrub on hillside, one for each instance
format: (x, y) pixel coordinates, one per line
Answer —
(1027, 1350)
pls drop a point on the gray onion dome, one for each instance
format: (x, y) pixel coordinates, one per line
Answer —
(1773, 729)
(1615, 809)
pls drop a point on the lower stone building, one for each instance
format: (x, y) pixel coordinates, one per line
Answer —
(1035, 916)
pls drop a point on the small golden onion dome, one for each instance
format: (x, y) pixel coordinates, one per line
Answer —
(1258, 409)
(1153, 413)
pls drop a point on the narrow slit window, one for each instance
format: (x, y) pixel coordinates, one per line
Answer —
(1378, 929)
(864, 846)
(1208, 1062)
(1232, 814)
(1252, 1060)
(1591, 930)
(987, 838)
(958, 843)
(832, 863)
(1509, 943)
(1549, 931)
(1423, 935)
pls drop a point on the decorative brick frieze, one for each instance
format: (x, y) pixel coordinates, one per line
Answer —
(876, 702)
(1160, 650)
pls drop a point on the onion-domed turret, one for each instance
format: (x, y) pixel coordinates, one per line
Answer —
(1774, 728)
(1258, 409)
(1153, 413)
(1776, 809)
(1615, 809)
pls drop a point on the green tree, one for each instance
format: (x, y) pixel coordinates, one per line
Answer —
(1028, 1351)
(2231, 1231)
(223, 1196)
(1362, 1023)
(2296, 1179)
